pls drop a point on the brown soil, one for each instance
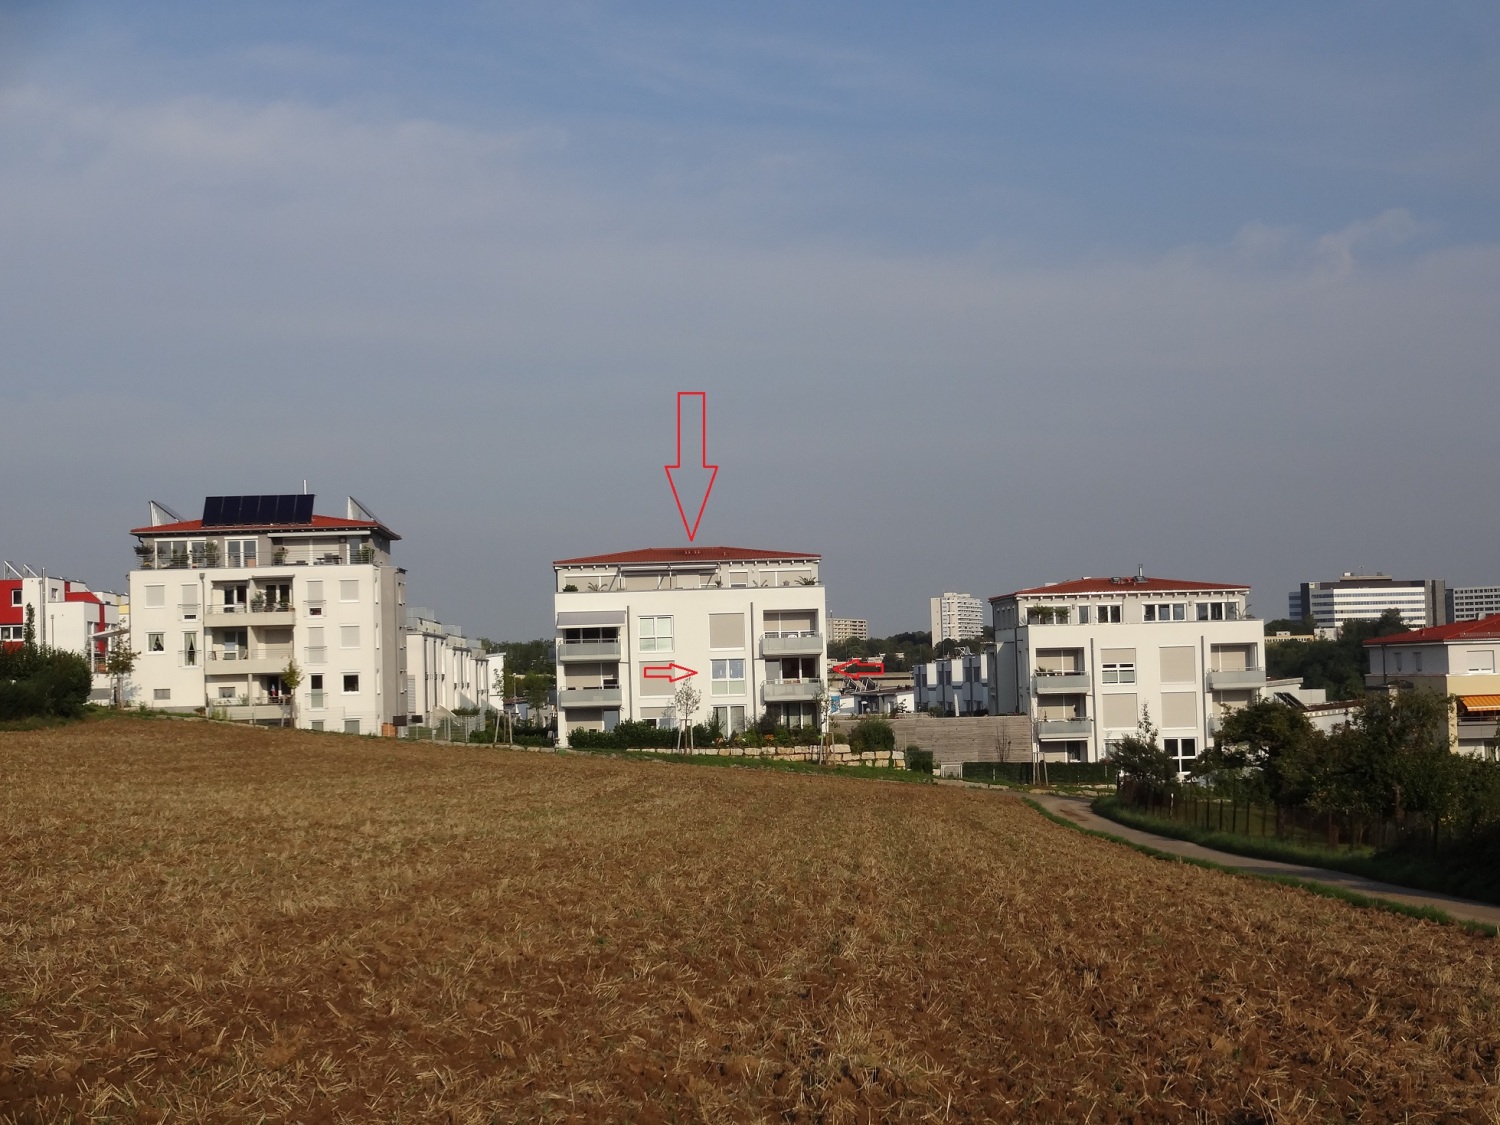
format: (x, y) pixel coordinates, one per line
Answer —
(209, 924)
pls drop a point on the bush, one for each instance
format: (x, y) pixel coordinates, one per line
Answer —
(43, 683)
(917, 759)
(1058, 773)
(872, 734)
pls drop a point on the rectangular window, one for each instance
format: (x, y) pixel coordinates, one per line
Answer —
(1179, 611)
(351, 726)
(161, 693)
(15, 596)
(315, 681)
(156, 642)
(317, 724)
(1118, 712)
(1481, 660)
(739, 579)
(1083, 615)
(1109, 615)
(731, 719)
(1202, 611)
(315, 597)
(1216, 611)
(1119, 674)
(1150, 612)
(190, 650)
(348, 589)
(156, 597)
(189, 602)
(348, 636)
(240, 552)
(351, 683)
(655, 633)
(1183, 751)
(227, 692)
(12, 632)
(728, 677)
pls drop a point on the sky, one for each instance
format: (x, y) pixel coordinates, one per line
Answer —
(981, 296)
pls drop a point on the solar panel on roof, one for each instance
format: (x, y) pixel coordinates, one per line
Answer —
(245, 511)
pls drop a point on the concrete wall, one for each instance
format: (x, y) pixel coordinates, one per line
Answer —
(983, 738)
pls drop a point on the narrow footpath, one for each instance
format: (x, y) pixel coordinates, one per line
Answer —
(1078, 811)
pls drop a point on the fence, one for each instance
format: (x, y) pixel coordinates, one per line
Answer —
(1054, 773)
(1294, 824)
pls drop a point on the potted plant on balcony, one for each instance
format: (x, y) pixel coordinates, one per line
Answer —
(179, 556)
(146, 554)
(257, 603)
(365, 554)
(278, 556)
(211, 553)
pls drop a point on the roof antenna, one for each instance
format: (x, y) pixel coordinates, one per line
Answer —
(304, 486)
(1140, 572)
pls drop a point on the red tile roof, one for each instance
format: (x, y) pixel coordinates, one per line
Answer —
(684, 555)
(1484, 628)
(319, 523)
(1120, 585)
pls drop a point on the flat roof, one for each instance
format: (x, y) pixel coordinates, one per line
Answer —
(667, 555)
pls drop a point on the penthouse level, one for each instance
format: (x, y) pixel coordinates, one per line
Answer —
(749, 624)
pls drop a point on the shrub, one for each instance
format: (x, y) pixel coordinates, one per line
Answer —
(872, 734)
(41, 682)
(918, 760)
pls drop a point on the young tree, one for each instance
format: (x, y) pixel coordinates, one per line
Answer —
(1142, 760)
(28, 635)
(118, 664)
(685, 705)
(291, 679)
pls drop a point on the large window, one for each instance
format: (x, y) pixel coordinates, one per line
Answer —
(731, 719)
(12, 632)
(728, 677)
(1166, 611)
(190, 650)
(239, 552)
(1109, 614)
(655, 634)
(1183, 751)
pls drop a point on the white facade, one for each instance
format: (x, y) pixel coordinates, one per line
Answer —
(1088, 659)
(445, 671)
(219, 611)
(1364, 597)
(1460, 661)
(744, 627)
(956, 617)
(847, 629)
(959, 685)
(65, 615)
(1470, 603)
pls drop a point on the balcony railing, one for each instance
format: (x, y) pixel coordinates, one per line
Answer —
(591, 697)
(791, 644)
(792, 691)
(1064, 728)
(588, 650)
(1241, 678)
(1063, 683)
(251, 652)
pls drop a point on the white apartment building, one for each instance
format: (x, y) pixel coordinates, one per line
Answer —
(1470, 603)
(847, 629)
(959, 685)
(1364, 597)
(445, 671)
(220, 605)
(1088, 658)
(956, 617)
(745, 626)
(65, 615)
(1460, 661)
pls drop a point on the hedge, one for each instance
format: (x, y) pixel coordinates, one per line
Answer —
(43, 683)
(1058, 773)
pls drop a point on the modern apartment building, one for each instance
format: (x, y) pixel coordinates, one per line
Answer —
(1364, 597)
(956, 617)
(1088, 659)
(65, 613)
(847, 629)
(220, 605)
(959, 685)
(745, 626)
(1470, 603)
(1457, 660)
(445, 671)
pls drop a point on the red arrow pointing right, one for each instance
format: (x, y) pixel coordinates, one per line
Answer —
(669, 672)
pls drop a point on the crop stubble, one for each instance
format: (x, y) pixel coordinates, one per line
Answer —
(208, 923)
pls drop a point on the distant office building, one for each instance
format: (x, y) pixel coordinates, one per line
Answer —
(956, 617)
(1470, 603)
(1422, 602)
(848, 629)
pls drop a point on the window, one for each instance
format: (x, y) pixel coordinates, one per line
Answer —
(739, 579)
(190, 650)
(315, 598)
(1183, 751)
(731, 719)
(656, 634)
(726, 630)
(1167, 611)
(315, 691)
(1119, 674)
(348, 589)
(1417, 659)
(1109, 615)
(1083, 615)
(15, 596)
(1480, 660)
(351, 726)
(728, 677)
(189, 603)
(348, 636)
(156, 642)
(317, 724)
(156, 597)
(240, 552)
(351, 683)
(12, 632)
(161, 693)
(227, 691)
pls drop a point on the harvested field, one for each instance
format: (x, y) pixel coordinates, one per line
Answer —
(207, 924)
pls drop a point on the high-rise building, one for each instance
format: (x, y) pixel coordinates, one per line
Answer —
(956, 617)
(1470, 603)
(744, 626)
(848, 629)
(1422, 602)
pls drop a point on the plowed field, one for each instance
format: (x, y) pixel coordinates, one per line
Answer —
(208, 924)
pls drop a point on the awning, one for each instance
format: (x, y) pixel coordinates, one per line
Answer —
(585, 617)
(1480, 702)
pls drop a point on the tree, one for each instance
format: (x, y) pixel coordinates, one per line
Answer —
(118, 665)
(291, 679)
(1270, 739)
(685, 705)
(1141, 759)
(28, 635)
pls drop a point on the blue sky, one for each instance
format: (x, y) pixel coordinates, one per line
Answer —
(982, 296)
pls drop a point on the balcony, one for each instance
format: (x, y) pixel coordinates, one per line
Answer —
(791, 644)
(249, 660)
(1063, 683)
(266, 613)
(1244, 678)
(587, 650)
(792, 691)
(590, 697)
(1064, 728)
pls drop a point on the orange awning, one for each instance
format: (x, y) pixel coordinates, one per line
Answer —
(1480, 702)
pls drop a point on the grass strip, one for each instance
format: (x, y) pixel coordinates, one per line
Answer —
(1353, 898)
(1411, 871)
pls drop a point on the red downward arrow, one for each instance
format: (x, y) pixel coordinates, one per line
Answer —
(699, 476)
(670, 672)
